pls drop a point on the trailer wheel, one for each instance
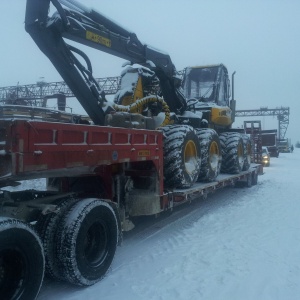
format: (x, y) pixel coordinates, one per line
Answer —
(211, 156)
(249, 180)
(232, 152)
(247, 152)
(254, 178)
(88, 242)
(182, 160)
(49, 230)
(21, 260)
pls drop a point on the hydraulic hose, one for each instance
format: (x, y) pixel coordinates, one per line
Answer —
(141, 103)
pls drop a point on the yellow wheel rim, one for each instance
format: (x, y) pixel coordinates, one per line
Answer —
(214, 155)
(190, 156)
(214, 149)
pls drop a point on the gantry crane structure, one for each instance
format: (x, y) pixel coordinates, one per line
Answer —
(34, 94)
(42, 89)
(282, 114)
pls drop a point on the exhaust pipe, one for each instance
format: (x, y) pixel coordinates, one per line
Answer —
(232, 101)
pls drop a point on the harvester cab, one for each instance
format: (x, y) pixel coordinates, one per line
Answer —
(207, 89)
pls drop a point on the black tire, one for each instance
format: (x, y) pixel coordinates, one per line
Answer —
(211, 157)
(182, 160)
(254, 178)
(49, 230)
(232, 152)
(249, 180)
(88, 241)
(247, 152)
(21, 260)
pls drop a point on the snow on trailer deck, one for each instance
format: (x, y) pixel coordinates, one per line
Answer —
(204, 188)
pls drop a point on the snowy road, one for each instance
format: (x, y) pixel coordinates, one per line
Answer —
(240, 243)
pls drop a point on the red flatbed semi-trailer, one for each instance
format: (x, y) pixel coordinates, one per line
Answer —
(92, 171)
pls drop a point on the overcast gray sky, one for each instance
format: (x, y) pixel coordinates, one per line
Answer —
(259, 39)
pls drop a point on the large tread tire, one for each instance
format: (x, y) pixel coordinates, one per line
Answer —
(182, 156)
(211, 156)
(88, 241)
(21, 260)
(48, 228)
(232, 152)
(247, 152)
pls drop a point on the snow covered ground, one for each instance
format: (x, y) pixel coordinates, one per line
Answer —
(240, 243)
